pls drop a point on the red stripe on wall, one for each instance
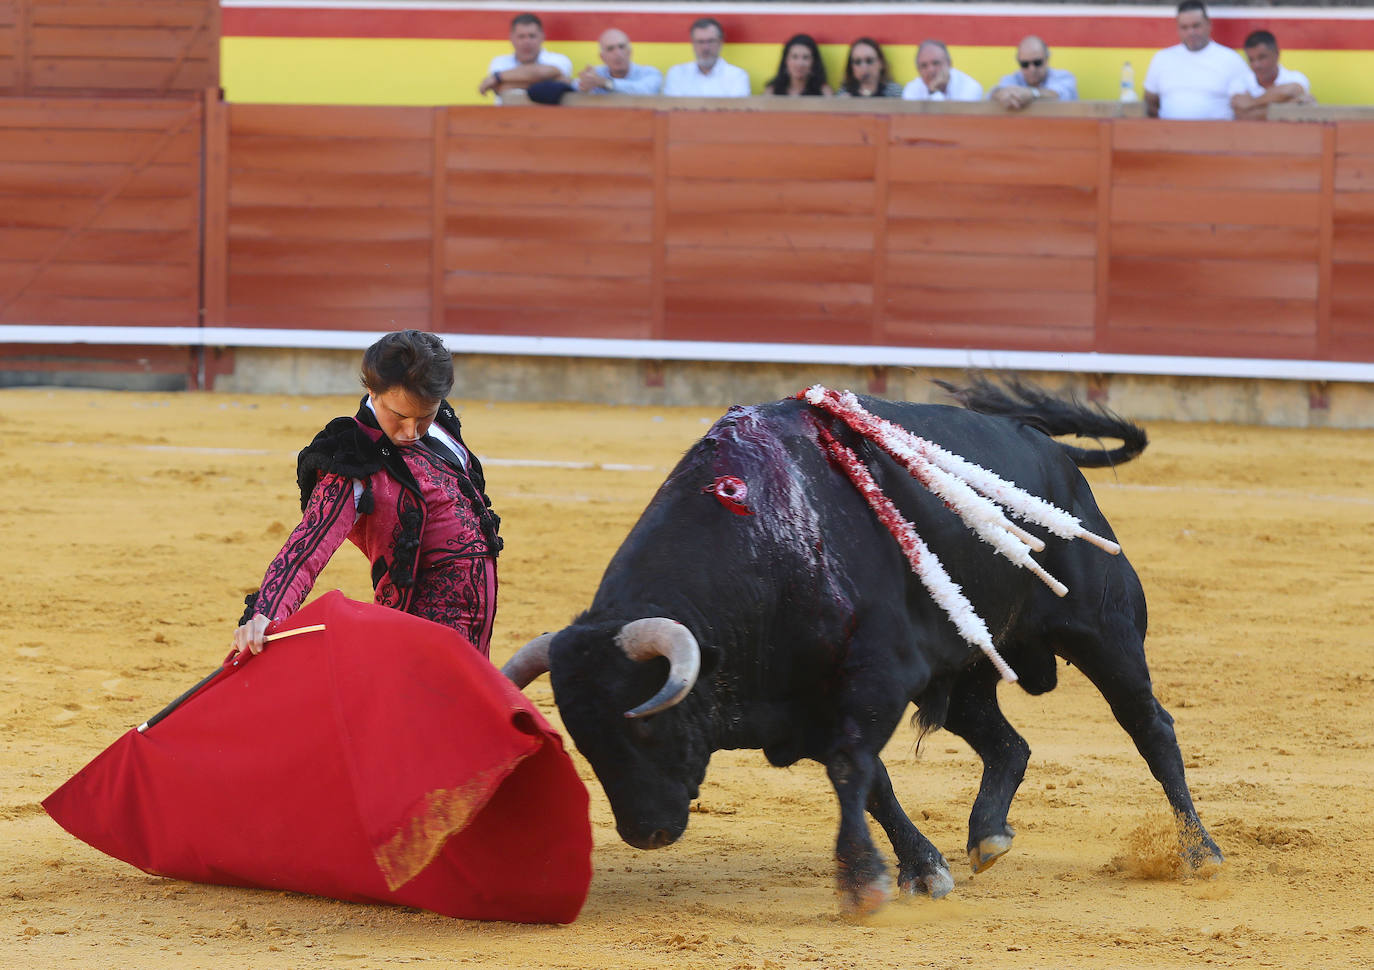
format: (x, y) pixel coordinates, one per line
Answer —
(827, 28)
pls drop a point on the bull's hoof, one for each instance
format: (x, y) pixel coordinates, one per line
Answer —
(937, 884)
(988, 850)
(862, 897)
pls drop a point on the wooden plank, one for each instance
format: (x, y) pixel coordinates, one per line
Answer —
(550, 155)
(390, 156)
(1352, 286)
(109, 281)
(554, 292)
(119, 40)
(1103, 256)
(1352, 207)
(782, 231)
(626, 323)
(1009, 335)
(770, 196)
(1237, 208)
(995, 166)
(406, 257)
(1020, 308)
(307, 190)
(92, 179)
(92, 114)
(1215, 277)
(173, 247)
(58, 309)
(438, 215)
(277, 316)
(1324, 247)
(1179, 312)
(144, 13)
(659, 229)
(1355, 173)
(1219, 137)
(330, 289)
(1210, 343)
(1352, 243)
(707, 265)
(944, 200)
(587, 190)
(882, 204)
(970, 132)
(536, 121)
(119, 213)
(215, 233)
(378, 123)
(841, 302)
(551, 222)
(1072, 274)
(992, 236)
(789, 329)
(1202, 241)
(769, 128)
(306, 225)
(547, 257)
(108, 74)
(1354, 137)
(817, 162)
(36, 145)
(1178, 170)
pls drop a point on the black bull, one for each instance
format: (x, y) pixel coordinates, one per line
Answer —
(811, 633)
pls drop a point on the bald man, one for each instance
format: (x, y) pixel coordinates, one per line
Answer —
(1036, 81)
(618, 73)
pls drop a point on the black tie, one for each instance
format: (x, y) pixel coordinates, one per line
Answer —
(443, 451)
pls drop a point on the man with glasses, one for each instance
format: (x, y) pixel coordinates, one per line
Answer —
(1036, 81)
(708, 76)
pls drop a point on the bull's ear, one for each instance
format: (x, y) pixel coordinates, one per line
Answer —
(710, 658)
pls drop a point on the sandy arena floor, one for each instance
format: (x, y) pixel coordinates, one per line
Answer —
(134, 523)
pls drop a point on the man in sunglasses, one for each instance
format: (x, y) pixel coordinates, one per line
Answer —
(1036, 81)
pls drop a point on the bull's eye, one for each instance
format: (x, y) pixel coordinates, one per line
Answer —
(642, 729)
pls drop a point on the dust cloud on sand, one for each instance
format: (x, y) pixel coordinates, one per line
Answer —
(134, 523)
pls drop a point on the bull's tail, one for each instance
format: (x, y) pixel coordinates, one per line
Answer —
(1022, 401)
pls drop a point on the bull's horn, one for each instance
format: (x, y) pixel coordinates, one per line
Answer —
(659, 636)
(529, 661)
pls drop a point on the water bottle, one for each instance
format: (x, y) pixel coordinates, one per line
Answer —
(1128, 83)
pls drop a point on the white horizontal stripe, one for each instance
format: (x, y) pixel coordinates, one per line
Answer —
(703, 350)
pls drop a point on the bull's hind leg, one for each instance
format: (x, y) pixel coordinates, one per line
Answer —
(975, 716)
(1116, 666)
(920, 866)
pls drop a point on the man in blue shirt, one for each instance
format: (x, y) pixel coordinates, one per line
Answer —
(619, 74)
(1036, 81)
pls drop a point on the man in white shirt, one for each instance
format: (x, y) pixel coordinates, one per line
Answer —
(708, 76)
(528, 62)
(1269, 82)
(1192, 79)
(939, 80)
(619, 74)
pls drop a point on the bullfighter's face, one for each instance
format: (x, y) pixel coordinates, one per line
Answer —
(403, 417)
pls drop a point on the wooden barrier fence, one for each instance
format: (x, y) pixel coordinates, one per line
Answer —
(1109, 235)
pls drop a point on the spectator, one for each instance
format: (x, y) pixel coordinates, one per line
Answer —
(1192, 79)
(619, 73)
(939, 80)
(708, 76)
(528, 62)
(800, 72)
(1036, 80)
(866, 74)
(1268, 82)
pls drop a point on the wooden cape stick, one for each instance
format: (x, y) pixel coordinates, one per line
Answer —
(219, 670)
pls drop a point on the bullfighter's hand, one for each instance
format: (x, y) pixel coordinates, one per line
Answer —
(251, 635)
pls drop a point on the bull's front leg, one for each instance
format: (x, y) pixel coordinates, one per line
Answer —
(862, 881)
(920, 866)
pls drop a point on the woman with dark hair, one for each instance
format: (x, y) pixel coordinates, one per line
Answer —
(800, 72)
(397, 480)
(865, 72)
